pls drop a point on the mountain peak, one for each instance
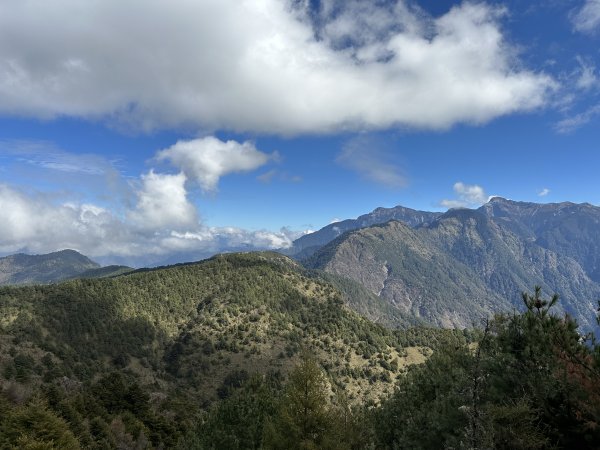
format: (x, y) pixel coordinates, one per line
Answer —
(47, 268)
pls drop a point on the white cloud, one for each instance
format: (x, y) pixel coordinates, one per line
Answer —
(469, 195)
(570, 124)
(162, 203)
(257, 65)
(587, 19)
(268, 176)
(544, 192)
(207, 159)
(151, 233)
(368, 157)
(37, 224)
(581, 85)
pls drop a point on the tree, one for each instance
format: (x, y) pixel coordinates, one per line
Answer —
(302, 420)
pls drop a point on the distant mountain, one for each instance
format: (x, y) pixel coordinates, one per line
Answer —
(41, 269)
(567, 228)
(306, 245)
(467, 264)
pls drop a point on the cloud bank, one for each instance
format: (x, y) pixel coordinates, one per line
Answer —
(265, 66)
(162, 224)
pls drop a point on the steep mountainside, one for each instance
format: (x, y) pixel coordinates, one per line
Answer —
(568, 229)
(402, 266)
(306, 245)
(462, 266)
(49, 268)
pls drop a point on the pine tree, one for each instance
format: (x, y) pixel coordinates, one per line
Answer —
(303, 420)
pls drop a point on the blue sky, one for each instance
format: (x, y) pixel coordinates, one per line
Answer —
(144, 132)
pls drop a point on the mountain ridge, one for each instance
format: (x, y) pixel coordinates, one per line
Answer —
(305, 245)
(23, 269)
(490, 253)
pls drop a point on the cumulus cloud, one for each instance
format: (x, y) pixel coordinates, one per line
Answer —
(587, 19)
(207, 159)
(154, 221)
(37, 224)
(468, 195)
(261, 66)
(369, 158)
(163, 203)
(151, 233)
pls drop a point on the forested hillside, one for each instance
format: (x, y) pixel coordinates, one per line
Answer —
(142, 359)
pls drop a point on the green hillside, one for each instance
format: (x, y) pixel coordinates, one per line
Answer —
(145, 354)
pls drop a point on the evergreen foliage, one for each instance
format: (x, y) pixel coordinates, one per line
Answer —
(531, 383)
(250, 351)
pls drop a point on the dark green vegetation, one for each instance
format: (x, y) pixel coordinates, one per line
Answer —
(248, 351)
(468, 264)
(104, 272)
(52, 268)
(181, 356)
(530, 383)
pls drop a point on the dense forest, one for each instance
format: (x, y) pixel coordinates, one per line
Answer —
(252, 351)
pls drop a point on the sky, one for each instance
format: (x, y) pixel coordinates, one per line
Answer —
(146, 132)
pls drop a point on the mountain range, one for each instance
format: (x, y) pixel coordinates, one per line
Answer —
(205, 355)
(308, 244)
(454, 269)
(398, 265)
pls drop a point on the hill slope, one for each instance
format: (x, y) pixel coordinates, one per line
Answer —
(172, 341)
(49, 268)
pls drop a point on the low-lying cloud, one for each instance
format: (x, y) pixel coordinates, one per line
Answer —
(162, 224)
